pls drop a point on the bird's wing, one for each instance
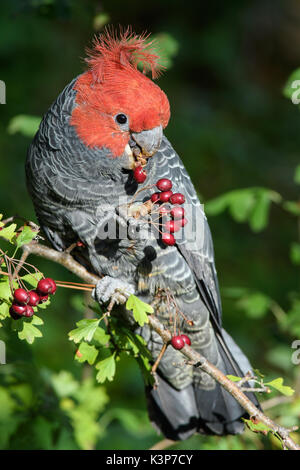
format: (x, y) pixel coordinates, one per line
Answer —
(196, 245)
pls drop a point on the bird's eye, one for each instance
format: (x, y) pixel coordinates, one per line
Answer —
(121, 118)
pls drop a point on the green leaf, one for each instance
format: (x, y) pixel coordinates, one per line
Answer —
(295, 252)
(87, 353)
(234, 378)
(241, 202)
(255, 305)
(8, 232)
(258, 373)
(107, 369)
(100, 336)
(257, 427)
(217, 205)
(139, 309)
(167, 48)
(259, 216)
(278, 385)
(24, 124)
(297, 175)
(234, 292)
(32, 279)
(25, 236)
(37, 320)
(5, 292)
(29, 332)
(85, 330)
(4, 310)
(100, 20)
(64, 384)
(292, 207)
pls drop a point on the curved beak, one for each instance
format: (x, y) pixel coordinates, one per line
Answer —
(146, 142)
(141, 146)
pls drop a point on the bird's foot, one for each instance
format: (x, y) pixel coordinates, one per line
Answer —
(109, 289)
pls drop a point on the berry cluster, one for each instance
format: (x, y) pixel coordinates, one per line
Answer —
(179, 341)
(24, 301)
(177, 221)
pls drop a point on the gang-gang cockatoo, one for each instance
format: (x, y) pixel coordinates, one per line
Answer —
(105, 123)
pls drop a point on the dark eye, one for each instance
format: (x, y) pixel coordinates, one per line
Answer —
(121, 118)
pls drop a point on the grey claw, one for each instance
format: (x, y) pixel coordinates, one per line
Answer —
(109, 288)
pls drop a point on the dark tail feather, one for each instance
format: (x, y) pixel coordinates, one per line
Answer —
(179, 414)
(171, 411)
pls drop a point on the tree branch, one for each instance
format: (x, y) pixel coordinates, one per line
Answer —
(195, 358)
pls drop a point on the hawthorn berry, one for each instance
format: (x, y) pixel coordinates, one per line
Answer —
(21, 296)
(177, 212)
(171, 226)
(29, 311)
(182, 222)
(186, 339)
(155, 197)
(163, 210)
(18, 309)
(15, 315)
(177, 198)
(43, 298)
(177, 342)
(168, 239)
(165, 196)
(164, 184)
(139, 174)
(34, 298)
(46, 286)
(53, 285)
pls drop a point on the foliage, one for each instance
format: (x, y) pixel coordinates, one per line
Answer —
(233, 129)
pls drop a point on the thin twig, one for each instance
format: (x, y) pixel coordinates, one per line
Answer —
(197, 359)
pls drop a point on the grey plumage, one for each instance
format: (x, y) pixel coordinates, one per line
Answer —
(76, 192)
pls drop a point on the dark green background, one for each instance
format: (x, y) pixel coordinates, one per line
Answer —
(229, 123)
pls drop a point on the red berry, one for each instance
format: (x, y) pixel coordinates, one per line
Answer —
(182, 222)
(171, 226)
(14, 315)
(186, 339)
(21, 296)
(165, 196)
(177, 342)
(34, 298)
(43, 298)
(44, 286)
(177, 212)
(177, 198)
(155, 197)
(29, 311)
(139, 174)
(164, 184)
(53, 285)
(168, 239)
(163, 210)
(18, 309)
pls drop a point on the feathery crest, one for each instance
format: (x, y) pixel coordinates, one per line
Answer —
(125, 49)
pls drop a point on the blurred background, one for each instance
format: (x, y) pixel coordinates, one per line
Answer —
(238, 135)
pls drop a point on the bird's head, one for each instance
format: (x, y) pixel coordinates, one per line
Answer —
(117, 106)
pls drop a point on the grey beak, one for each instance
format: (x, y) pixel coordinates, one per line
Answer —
(146, 141)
